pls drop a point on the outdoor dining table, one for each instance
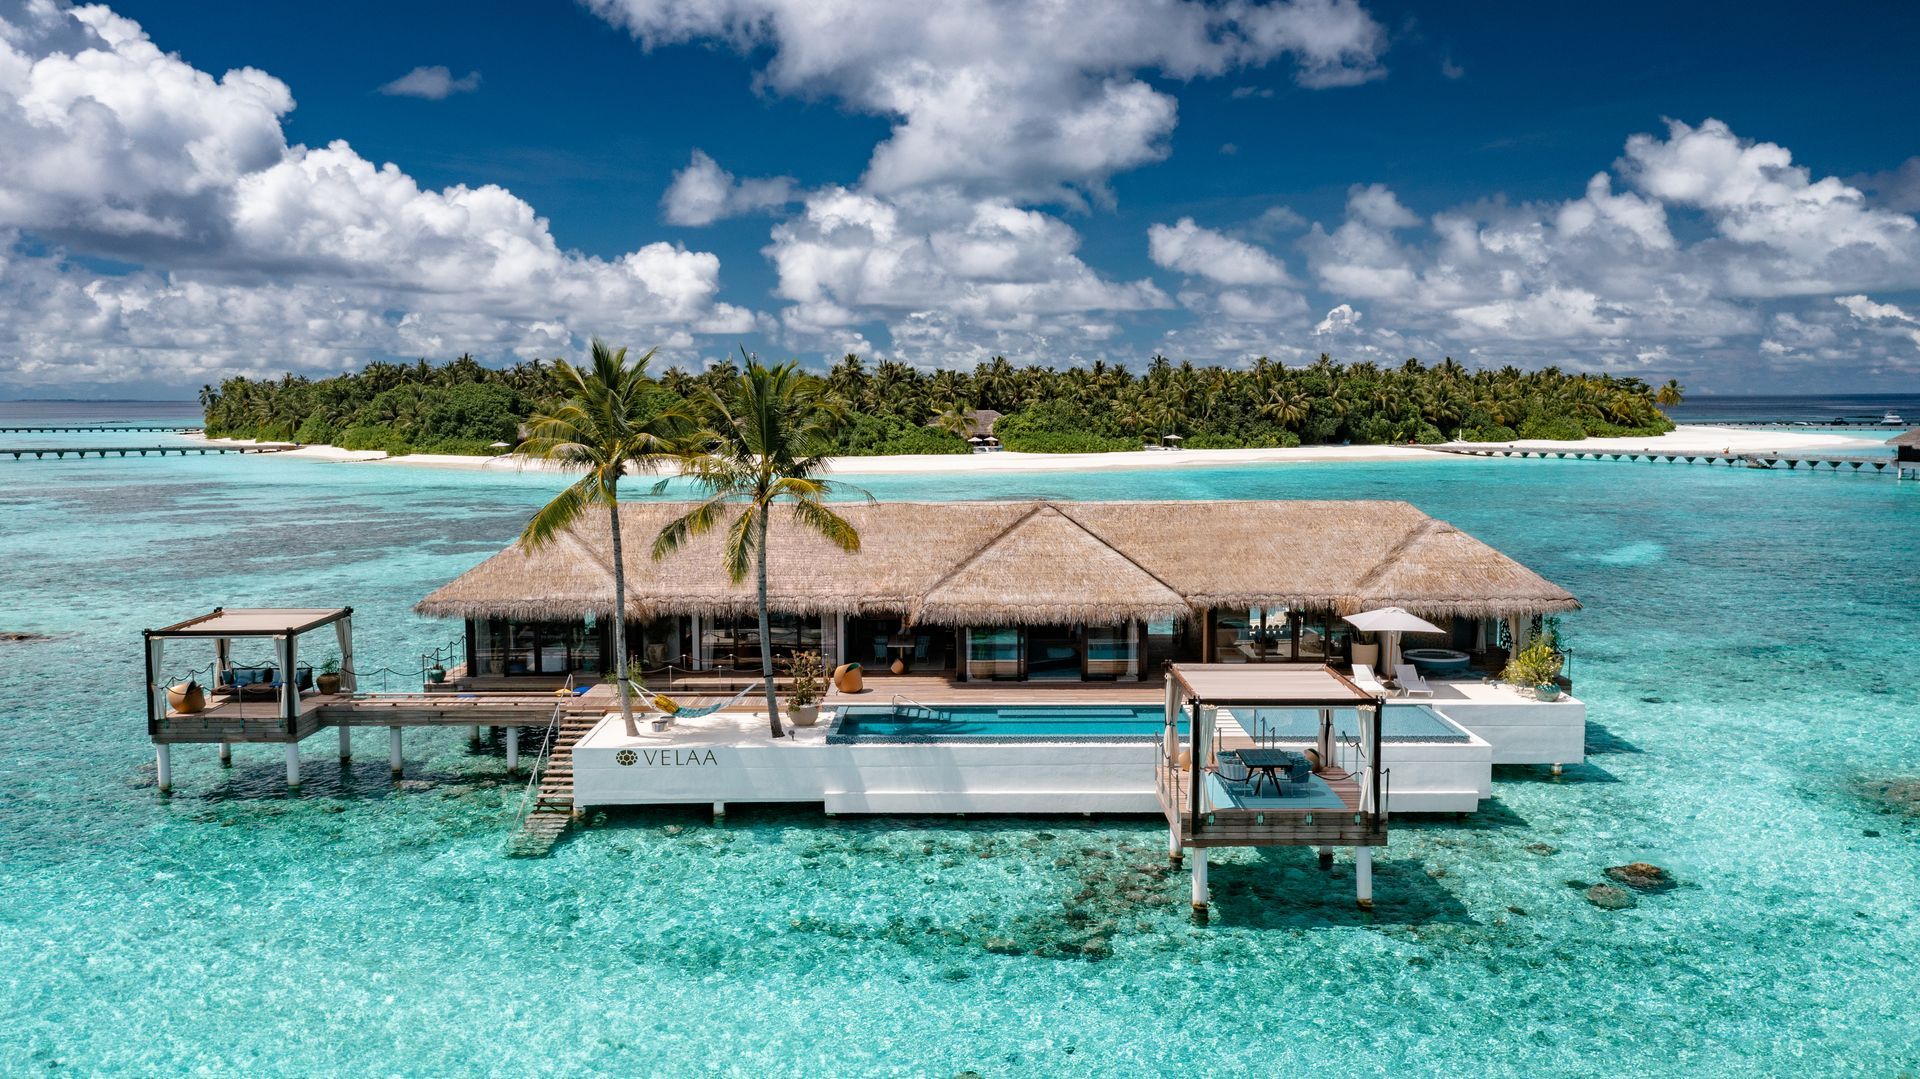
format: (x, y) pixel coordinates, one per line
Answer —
(1269, 763)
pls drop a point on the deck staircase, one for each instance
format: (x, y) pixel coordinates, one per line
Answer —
(547, 808)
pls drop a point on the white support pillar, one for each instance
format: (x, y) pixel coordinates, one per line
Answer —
(222, 661)
(293, 764)
(513, 751)
(226, 754)
(1326, 858)
(1200, 879)
(1133, 650)
(1174, 851)
(1363, 877)
(346, 743)
(473, 735)
(393, 750)
(699, 641)
(719, 811)
(163, 767)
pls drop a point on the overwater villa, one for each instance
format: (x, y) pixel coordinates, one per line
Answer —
(1000, 592)
(1190, 660)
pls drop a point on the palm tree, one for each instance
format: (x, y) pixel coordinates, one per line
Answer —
(603, 425)
(1669, 394)
(767, 444)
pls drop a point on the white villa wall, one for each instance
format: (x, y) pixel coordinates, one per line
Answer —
(729, 758)
(1520, 729)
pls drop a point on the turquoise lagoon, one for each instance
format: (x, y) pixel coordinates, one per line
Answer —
(1748, 653)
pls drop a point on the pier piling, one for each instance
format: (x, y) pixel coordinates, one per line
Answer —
(163, 767)
(293, 765)
(226, 754)
(1363, 877)
(393, 751)
(346, 744)
(1200, 880)
(513, 751)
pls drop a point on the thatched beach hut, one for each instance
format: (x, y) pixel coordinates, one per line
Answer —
(1001, 589)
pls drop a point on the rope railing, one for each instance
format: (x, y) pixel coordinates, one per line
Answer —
(547, 741)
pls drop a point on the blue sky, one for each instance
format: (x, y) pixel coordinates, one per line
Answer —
(1210, 181)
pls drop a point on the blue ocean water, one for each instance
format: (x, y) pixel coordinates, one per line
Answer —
(1747, 653)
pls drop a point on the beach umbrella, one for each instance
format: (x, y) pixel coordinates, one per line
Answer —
(1390, 623)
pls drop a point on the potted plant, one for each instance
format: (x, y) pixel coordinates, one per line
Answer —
(803, 702)
(328, 680)
(1536, 667)
(436, 674)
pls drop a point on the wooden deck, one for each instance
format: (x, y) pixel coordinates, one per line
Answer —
(229, 720)
(1270, 827)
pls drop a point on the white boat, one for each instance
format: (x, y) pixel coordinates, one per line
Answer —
(1892, 419)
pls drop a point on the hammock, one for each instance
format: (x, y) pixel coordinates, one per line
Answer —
(673, 709)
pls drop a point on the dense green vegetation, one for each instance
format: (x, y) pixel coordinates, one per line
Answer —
(892, 408)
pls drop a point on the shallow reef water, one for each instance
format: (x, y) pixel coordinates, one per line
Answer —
(1746, 652)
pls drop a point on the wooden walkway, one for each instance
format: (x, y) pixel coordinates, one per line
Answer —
(229, 720)
(1842, 463)
(61, 452)
(106, 429)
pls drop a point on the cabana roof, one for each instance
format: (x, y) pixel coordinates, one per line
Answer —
(1265, 684)
(254, 622)
(984, 563)
(1909, 439)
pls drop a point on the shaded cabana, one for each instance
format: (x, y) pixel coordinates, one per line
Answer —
(222, 626)
(1204, 811)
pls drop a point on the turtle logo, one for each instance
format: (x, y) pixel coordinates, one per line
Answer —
(626, 756)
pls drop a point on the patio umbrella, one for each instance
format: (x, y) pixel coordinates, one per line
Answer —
(1390, 623)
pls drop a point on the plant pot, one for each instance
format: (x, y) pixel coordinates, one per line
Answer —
(327, 683)
(187, 698)
(803, 715)
(436, 674)
(1368, 654)
(1547, 691)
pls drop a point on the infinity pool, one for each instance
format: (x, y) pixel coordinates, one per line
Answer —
(882, 723)
(1405, 723)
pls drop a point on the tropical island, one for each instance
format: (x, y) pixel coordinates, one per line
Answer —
(891, 408)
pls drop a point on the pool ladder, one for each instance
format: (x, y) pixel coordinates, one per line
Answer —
(915, 709)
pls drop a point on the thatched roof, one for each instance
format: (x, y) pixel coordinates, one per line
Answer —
(982, 563)
(980, 422)
(1908, 440)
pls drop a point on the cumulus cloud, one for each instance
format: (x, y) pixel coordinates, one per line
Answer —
(936, 269)
(1200, 252)
(432, 83)
(1605, 276)
(118, 149)
(1005, 98)
(1343, 317)
(703, 193)
(1895, 189)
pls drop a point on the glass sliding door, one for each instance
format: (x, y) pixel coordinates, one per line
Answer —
(994, 654)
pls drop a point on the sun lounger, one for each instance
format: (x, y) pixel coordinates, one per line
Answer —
(1364, 678)
(1410, 681)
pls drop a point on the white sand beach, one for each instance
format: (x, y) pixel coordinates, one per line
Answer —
(1683, 439)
